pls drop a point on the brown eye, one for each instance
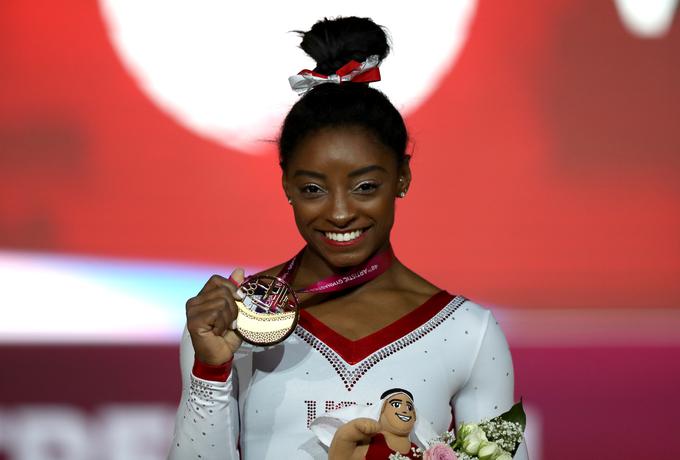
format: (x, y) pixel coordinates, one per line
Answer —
(311, 189)
(366, 187)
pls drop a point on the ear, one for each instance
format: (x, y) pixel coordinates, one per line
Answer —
(286, 186)
(404, 175)
(384, 406)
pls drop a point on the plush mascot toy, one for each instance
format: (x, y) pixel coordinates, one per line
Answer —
(373, 432)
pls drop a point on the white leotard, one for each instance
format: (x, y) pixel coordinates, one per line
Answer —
(449, 352)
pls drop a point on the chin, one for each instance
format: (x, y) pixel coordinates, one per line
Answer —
(402, 431)
(343, 257)
(346, 260)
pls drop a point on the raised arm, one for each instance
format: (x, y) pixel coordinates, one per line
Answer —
(489, 389)
(207, 421)
(351, 440)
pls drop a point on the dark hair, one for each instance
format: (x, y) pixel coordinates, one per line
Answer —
(396, 390)
(332, 43)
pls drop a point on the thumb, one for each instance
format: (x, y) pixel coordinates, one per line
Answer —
(368, 426)
(238, 275)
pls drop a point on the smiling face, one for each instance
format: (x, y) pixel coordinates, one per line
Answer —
(398, 415)
(343, 184)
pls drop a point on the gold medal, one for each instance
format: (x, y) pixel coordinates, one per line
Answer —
(268, 310)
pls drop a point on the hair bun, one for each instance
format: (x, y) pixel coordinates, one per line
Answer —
(332, 43)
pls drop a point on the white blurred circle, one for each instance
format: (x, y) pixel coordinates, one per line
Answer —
(221, 68)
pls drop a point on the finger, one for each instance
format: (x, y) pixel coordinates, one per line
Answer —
(233, 340)
(223, 292)
(238, 275)
(204, 322)
(216, 321)
(215, 281)
(222, 324)
(218, 304)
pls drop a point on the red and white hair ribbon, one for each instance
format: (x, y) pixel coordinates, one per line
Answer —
(356, 72)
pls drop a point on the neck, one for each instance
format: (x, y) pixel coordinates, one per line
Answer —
(314, 267)
(397, 442)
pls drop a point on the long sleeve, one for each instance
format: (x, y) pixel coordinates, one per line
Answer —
(207, 421)
(489, 389)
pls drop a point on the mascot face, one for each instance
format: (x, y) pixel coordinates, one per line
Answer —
(398, 414)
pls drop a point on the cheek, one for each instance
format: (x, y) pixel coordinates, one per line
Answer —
(305, 213)
(387, 220)
(381, 209)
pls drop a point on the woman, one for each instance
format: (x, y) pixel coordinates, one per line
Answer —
(342, 154)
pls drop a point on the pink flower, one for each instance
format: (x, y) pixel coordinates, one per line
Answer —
(439, 452)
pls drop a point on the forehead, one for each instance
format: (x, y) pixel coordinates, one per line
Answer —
(401, 397)
(341, 149)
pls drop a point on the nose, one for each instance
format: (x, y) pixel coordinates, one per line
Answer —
(342, 212)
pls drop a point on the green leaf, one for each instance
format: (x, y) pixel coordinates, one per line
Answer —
(515, 414)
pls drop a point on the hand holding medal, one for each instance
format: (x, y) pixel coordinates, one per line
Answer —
(210, 315)
(268, 309)
(261, 310)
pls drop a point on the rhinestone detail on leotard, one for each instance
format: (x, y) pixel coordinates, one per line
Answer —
(350, 374)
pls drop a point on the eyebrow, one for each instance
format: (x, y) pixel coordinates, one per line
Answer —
(356, 172)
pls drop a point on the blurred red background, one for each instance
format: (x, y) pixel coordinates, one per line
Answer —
(546, 178)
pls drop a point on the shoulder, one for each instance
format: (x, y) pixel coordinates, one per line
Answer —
(474, 319)
(471, 310)
(481, 324)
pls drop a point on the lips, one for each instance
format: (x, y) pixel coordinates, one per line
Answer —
(346, 238)
(403, 418)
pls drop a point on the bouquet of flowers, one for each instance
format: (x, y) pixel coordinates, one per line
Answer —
(495, 439)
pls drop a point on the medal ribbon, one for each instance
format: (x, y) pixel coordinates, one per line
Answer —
(372, 268)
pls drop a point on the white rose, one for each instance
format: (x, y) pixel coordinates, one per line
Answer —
(471, 444)
(488, 450)
(480, 434)
(467, 429)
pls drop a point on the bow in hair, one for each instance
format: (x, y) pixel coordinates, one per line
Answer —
(357, 72)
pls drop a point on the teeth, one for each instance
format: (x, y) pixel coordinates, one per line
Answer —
(348, 236)
(403, 418)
